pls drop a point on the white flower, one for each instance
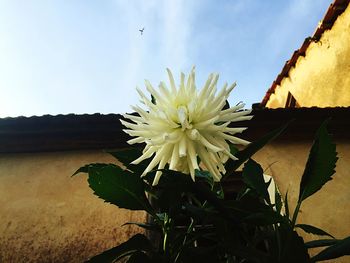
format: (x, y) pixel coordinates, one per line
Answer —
(185, 123)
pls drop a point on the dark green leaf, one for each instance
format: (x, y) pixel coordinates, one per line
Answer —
(126, 156)
(119, 187)
(205, 193)
(341, 248)
(251, 149)
(85, 168)
(199, 212)
(320, 164)
(151, 227)
(313, 230)
(278, 200)
(251, 210)
(170, 189)
(198, 255)
(137, 243)
(139, 257)
(286, 206)
(226, 106)
(266, 217)
(321, 243)
(153, 99)
(233, 149)
(253, 176)
(293, 248)
(249, 254)
(205, 175)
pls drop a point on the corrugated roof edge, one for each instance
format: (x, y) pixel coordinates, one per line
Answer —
(334, 10)
(97, 131)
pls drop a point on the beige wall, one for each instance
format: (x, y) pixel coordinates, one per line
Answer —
(48, 216)
(328, 208)
(322, 77)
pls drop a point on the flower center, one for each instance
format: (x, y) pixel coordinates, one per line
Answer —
(182, 114)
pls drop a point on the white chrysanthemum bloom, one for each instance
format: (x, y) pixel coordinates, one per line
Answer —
(185, 123)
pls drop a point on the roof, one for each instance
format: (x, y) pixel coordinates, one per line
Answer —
(334, 10)
(88, 132)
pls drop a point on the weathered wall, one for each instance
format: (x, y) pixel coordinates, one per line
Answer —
(328, 208)
(48, 216)
(322, 77)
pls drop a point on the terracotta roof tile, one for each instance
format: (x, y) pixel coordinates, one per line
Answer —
(334, 10)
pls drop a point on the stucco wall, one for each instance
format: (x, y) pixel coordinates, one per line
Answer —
(322, 77)
(328, 208)
(48, 216)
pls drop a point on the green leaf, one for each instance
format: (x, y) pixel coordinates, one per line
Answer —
(341, 248)
(153, 100)
(199, 212)
(226, 106)
(205, 193)
(293, 249)
(199, 254)
(139, 257)
(233, 149)
(266, 217)
(249, 254)
(170, 189)
(137, 243)
(85, 168)
(126, 156)
(119, 187)
(251, 149)
(278, 200)
(320, 164)
(321, 243)
(253, 176)
(205, 175)
(286, 206)
(313, 230)
(252, 210)
(150, 227)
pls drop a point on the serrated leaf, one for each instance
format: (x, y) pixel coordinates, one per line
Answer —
(320, 164)
(85, 168)
(293, 249)
(341, 248)
(313, 230)
(252, 148)
(119, 187)
(136, 243)
(321, 243)
(253, 177)
(128, 155)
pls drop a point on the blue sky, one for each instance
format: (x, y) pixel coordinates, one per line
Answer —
(85, 56)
